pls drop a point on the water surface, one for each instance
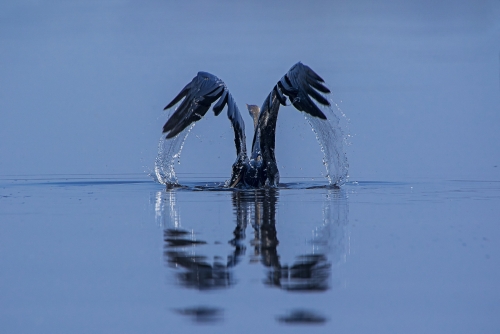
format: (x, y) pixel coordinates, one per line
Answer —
(121, 254)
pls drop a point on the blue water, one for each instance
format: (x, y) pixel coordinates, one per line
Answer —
(90, 244)
(121, 254)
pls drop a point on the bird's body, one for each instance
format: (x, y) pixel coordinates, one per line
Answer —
(259, 169)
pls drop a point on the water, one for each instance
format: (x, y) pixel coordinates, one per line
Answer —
(169, 152)
(121, 254)
(331, 139)
(410, 243)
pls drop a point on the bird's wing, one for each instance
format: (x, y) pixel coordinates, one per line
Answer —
(300, 84)
(197, 97)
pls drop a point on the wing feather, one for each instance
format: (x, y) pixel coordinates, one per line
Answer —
(220, 104)
(197, 97)
(300, 84)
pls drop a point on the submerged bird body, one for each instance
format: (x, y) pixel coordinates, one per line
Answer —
(259, 169)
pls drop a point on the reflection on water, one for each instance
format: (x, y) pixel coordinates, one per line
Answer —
(167, 216)
(197, 271)
(302, 317)
(202, 314)
(309, 272)
(311, 269)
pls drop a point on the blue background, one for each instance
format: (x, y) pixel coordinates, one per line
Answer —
(84, 83)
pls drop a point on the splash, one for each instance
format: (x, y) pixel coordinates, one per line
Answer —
(328, 133)
(331, 140)
(168, 152)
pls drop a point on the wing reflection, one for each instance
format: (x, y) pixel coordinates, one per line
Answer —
(310, 271)
(197, 272)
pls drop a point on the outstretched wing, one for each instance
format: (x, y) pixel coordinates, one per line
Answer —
(300, 84)
(197, 97)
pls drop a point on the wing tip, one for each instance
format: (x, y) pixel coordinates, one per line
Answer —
(170, 135)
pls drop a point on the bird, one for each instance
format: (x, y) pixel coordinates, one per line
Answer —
(259, 168)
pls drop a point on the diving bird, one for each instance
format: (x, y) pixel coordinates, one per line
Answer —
(260, 169)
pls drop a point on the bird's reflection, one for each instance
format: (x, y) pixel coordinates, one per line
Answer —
(197, 272)
(309, 272)
(257, 208)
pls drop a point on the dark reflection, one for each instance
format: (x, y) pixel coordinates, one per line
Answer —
(198, 272)
(177, 238)
(186, 252)
(257, 208)
(302, 317)
(202, 314)
(308, 272)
